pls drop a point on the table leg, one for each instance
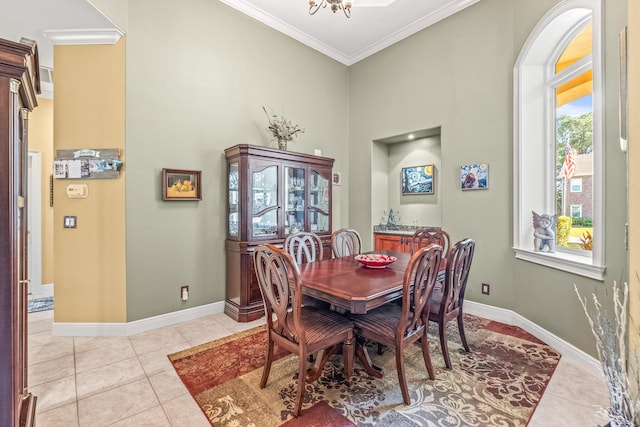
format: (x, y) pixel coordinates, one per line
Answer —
(363, 355)
(314, 372)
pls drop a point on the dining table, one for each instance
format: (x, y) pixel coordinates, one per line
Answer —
(352, 287)
(345, 283)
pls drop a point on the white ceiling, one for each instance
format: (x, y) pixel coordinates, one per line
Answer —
(348, 40)
(374, 24)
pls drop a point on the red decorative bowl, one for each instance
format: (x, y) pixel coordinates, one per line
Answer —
(375, 260)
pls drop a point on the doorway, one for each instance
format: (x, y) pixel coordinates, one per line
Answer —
(34, 227)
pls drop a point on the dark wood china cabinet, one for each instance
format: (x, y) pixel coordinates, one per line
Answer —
(271, 194)
(19, 84)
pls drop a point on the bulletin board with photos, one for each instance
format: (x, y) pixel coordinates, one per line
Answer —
(87, 164)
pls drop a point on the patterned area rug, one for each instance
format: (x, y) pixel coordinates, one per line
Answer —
(40, 304)
(499, 383)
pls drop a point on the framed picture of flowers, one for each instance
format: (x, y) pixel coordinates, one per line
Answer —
(178, 184)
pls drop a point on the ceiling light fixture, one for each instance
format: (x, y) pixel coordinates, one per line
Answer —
(344, 5)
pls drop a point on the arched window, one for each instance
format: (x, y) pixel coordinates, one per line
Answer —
(558, 117)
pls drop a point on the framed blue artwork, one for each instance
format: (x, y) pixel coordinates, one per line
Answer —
(474, 177)
(417, 180)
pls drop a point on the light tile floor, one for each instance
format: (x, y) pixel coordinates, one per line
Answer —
(129, 381)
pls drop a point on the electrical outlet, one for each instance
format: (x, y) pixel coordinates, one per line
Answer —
(184, 292)
(70, 221)
(485, 288)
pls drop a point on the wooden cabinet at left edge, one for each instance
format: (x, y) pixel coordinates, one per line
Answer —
(270, 194)
(19, 85)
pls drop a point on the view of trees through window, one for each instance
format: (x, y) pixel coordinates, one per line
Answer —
(573, 84)
(574, 144)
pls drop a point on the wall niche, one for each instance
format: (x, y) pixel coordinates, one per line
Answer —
(389, 156)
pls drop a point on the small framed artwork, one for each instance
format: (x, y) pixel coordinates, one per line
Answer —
(474, 177)
(178, 184)
(336, 177)
(417, 179)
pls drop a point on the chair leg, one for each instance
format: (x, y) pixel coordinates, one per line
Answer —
(302, 363)
(461, 330)
(402, 379)
(348, 349)
(267, 364)
(424, 343)
(442, 327)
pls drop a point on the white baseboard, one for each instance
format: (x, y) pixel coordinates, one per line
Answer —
(137, 326)
(567, 350)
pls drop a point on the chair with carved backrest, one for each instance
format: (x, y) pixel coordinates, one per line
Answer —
(298, 329)
(304, 247)
(447, 301)
(399, 326)
(345, 242)
(425, 236)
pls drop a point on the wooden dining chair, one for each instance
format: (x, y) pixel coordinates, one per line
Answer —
(298, 329)
(425, 236)
(304, 247)
(345, 242)
(447, 302)
(397, 325)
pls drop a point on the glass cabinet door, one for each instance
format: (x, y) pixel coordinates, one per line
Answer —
(294, 199)
(264, 201)
(319, 202)
(233, 199)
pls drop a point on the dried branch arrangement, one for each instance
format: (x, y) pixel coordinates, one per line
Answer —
(610, 338)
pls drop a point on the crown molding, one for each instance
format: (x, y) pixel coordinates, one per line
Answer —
(289, 30)
(417, 25)
(89, 36)
(412, 28)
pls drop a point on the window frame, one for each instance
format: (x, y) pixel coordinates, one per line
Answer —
(578, 185)
(579, 211)
(534, 132)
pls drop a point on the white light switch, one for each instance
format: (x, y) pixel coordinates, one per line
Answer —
(77, 191)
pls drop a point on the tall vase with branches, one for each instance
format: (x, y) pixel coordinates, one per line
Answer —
(282, 129)
(610, 335)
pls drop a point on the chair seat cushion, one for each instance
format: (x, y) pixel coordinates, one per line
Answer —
(323, 326)
(382, 321)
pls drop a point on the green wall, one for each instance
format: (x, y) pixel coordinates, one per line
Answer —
(458, 74)
(198, 74)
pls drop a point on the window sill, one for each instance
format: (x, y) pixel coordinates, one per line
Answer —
(570, 263)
